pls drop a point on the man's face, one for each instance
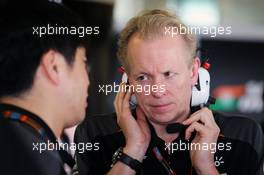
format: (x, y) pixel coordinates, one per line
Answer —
(162, 62)
(77, 87)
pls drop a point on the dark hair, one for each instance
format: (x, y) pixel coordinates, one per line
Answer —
(21, 50)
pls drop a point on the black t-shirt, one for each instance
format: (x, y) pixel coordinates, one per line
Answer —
(240, 147)
(20, 145)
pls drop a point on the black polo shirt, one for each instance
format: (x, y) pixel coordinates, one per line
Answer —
(20, 145)
(240, 153)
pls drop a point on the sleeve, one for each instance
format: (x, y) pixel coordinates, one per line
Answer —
(245, 130)
(259, 146)
(83, 163)
(19, 156)
(87, 132)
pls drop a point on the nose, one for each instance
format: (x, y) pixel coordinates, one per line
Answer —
(157, 93)
(158, 89)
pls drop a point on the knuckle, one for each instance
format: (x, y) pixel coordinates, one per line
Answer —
(216, 132)
(207, 110)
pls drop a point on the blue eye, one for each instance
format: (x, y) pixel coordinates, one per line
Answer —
(142, 78)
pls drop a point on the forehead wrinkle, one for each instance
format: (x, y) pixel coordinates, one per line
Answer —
(153, 60)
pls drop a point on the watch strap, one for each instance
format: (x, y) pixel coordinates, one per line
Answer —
(128, 160)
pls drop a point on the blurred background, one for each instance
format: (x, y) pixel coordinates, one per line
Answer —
(237, 59)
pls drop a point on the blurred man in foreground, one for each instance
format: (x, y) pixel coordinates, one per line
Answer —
(43, 87)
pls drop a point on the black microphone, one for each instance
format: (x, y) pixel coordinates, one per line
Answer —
(175, 127)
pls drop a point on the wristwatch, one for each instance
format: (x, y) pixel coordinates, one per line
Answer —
(119, 155)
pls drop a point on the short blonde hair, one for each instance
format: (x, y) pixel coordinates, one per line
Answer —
(148, 25)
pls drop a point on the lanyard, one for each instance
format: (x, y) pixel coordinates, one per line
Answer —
(45, 133)
(158, 155)
(15, 116)
(164, 163)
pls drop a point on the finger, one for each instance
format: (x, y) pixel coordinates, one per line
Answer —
(209, 113)
(125, 104)
(190, 119)
(121, 95)
(118, 101)
(195, 117)
(203, 115)
(195, 126)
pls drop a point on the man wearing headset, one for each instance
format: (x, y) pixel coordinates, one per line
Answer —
(151, 55)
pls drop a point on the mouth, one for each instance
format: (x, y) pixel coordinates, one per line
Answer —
(161, 108)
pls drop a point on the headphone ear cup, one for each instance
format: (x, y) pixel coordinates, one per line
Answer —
(201, 91)
(124, 78)
(133, 100)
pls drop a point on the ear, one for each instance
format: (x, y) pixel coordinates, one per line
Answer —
(49, 65)
(194, 70)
